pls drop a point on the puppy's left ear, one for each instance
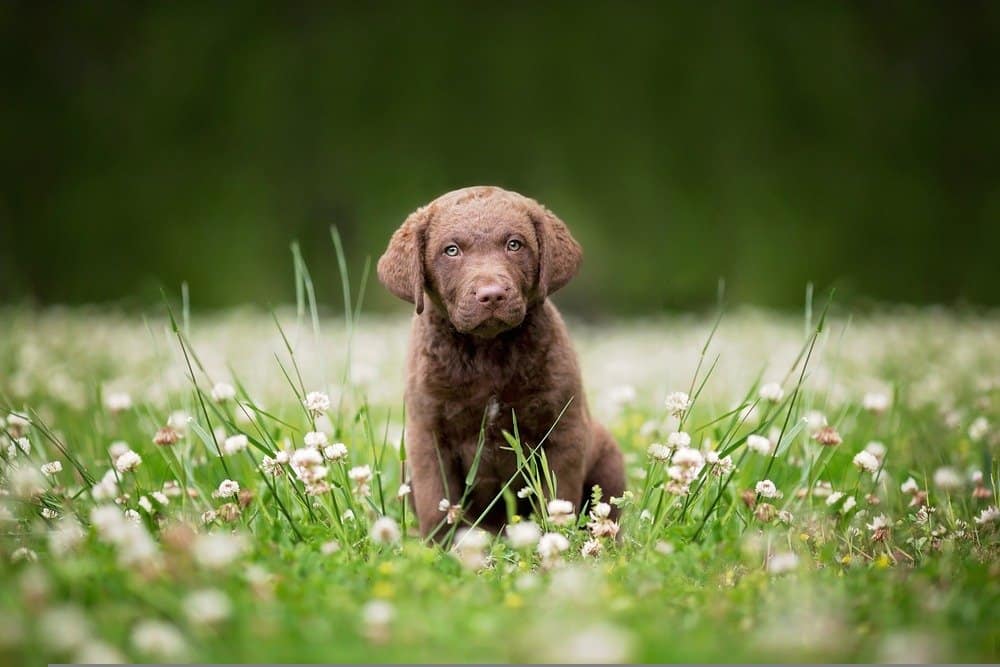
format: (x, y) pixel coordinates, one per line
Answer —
(559, 255)
(401, 267)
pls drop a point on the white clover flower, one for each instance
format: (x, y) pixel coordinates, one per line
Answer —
(348, 515)
(51, 468)
(158, 638)
(772, 392)
(720, 466)
(598, 643)
(551, 546)
(23, 555)
(97, 652)
(235, 443)
(678, 440)
(781, 563)
(17, 424)
(385, 530)
(677, 403)
(216, 551)
(25, 482)
(222, 392)
(866, 461)
(22, 445)
(759, 444)
(687, 464)
(876, 402)
(827, 436)
(600, 524)
(208, 606)
(117, 448)
(329, 548)
(305, 458)
(65, 536)
(49, 513)
(133, 516)
(909, 487)
(947, 479)
(308, 466)
(360, 474)
(879, 522)
(988, 516)
(591, 548)
(317, 403)
(117, 401)
(160, 497)
(245, 413)
(179, 420)
(876, 449)
(923, 515)
(64, 628)
(166, 436)
(975, 476)
(270, 466)
(376, 620)
(979, 428)
(107, 521)
(649, 428)
(689, 458)
(815, 420)
(335, 452)
(208, 517)
(834, 498)
(848, 505)
(404, 490)
(657, 452)
(622, 395)
(523, 535)
(128, 462)
(561, 512)
(227, 489)
(472, 539)
(600, 511)
(377, 612)
(766, 489)
(315, 439)
(133, 542)
(525, 492)
(146, 505)
(822, 489)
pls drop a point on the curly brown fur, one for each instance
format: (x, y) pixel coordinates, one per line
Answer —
(491, 344)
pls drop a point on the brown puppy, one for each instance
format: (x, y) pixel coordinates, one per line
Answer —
(490, 343)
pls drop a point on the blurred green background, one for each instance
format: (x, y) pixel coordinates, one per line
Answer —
(846, 143)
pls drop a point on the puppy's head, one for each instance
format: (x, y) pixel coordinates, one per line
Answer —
(482, 255)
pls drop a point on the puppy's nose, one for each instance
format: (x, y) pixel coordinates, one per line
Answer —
(491, 295)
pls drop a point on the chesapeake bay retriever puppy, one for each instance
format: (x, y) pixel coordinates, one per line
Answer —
(479, 263)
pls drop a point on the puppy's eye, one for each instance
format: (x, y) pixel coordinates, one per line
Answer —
(452, 250)
(514, 245)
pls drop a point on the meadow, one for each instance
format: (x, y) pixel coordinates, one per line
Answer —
(231, 487)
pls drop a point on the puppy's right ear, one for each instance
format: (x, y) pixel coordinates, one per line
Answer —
(401, 267)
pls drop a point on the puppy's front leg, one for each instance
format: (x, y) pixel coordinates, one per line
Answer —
(433, 477)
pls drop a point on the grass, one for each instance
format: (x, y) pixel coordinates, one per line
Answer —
(706, 576)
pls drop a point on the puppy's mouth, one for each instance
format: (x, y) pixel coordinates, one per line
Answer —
(491, 327)
(487, 325)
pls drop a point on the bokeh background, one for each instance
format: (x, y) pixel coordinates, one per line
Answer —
(850, 144)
